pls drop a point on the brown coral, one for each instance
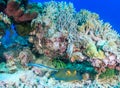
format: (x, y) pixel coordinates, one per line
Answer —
(18, 12)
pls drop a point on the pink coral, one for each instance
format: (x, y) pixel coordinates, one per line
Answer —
(57, 45)
(96, 62)
(38, 71)
(118, 68)
(8, 55)
(25, 56)
(110, 62)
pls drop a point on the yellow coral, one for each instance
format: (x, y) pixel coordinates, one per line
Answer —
(101, 54)
(92, 52)
(89, 24)
(111, 43)
(81, 29)
(85, 28)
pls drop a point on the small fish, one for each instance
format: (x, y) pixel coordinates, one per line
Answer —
(41, 66)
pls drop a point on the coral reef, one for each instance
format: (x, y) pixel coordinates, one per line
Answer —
(16, 60)
(80, 36)
(4, 24)
(30, 79)
(56, 37)
(64, 45)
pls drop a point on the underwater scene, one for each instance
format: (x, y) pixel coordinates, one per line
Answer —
(57, 44)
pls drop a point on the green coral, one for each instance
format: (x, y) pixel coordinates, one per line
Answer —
(109, 73)
(58, 64)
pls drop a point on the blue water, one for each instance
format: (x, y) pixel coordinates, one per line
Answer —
(109, 10)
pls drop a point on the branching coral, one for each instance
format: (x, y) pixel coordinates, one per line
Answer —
(48, 14)
(59, 30)
(88, 21)
(59, 22)
(104, 38)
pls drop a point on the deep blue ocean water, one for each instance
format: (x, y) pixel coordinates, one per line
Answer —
(108, 10)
